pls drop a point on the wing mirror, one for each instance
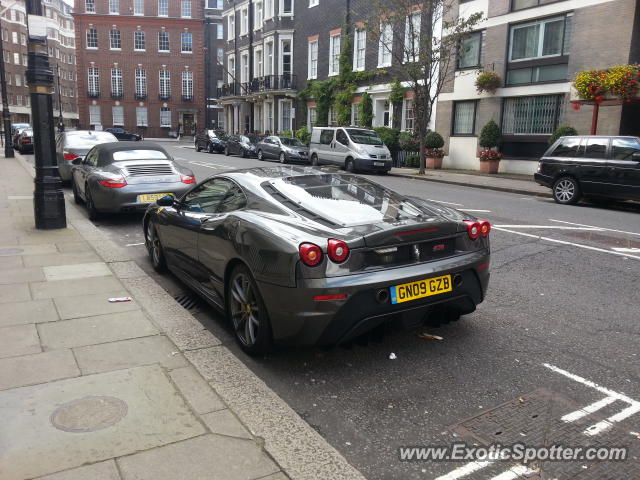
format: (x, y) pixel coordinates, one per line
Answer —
(635, 157)
(166, 201)
(76, 161)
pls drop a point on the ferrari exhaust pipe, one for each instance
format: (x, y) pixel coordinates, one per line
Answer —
(457, 280)
(382, 295)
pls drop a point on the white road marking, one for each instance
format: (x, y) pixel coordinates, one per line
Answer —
(592, 226)
(626, 250)
(465, 470)
(134, 244)
(550, 227)
(446, 203)
(514, 473)
(474, 210)
(563, 242)
(588, 410)
(608, 423)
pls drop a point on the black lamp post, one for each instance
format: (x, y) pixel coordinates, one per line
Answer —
(48, 199)
(6, 115)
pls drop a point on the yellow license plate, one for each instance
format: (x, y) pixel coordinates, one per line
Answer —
(151, 197)
(420, 289)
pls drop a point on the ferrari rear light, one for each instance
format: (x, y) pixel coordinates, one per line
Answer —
(187, 179)
(338, 296)
(337, 250)
(26, 140)
(485, 227)
(113, 182)
(310, 254)
(70, 156)
(473, 229)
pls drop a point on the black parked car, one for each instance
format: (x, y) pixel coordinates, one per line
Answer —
(210, 141)
(24, 140)
(242, 145)
(591, 166)
(283, 149)
(122, 134)
(298, 255)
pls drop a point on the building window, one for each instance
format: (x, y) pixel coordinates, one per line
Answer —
(314, 3)
(117, 112)
(92, 38)
(268, 113)
(94, 115)
(163, 8)
(141, 117)
(244, 67)
(231, 27)
(165, 117)
(185, 11)
(286, 58)
(285, 115)
(215, 4)
(539, 115)
(355, 114)
(116, 82)
(464, 118)
(244, 21)
(313, 60)
(412, 37)
(257, 16)
(268, 9)
(286, 7)
(139, 41)
(138, 7)
(114, 40)
(219, 31)
(313, 116)
(163, 41)
(90, 6)
(165, 84)
(332, 117)
(385, 44)
(408, 115)
(186, 44)
(231, 69)
(114, 7)
(258, 65)
(93, 81)
(220, 56)
(540, 39)
(470, 51)
(520, 4)
(268, 58)
(359, 49)
(334, 54)
(141, 84)
(187, 85)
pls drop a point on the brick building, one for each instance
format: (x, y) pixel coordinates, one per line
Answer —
(141, 65)
(62, 58)
(537, 47)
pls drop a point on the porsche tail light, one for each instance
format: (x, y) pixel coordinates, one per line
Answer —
(323, 298)
(473, 229)
(485, 228)
(310, 254)
(70, 156)
(113, 182)
(337, 250)
(187, 179)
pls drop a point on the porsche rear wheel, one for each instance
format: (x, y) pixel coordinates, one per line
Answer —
(248, 313)
(94, 214)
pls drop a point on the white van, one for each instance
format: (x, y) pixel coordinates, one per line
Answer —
(353, 148)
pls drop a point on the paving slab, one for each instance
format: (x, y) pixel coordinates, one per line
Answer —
(74, 247)
(18, 292)
(196, 390)
(37, 368)
(97, 471)
(35, 237)
(11, 262)
(44, 249)
(127, 354)
(75, 271)
(209, 457)
(90, 305)
(275, 476)
(32, 311)
(94, 330)
(21, 275)
(128, 269)
(19, 340)
(57, 258)
(65, 424)
(224, 422)
(70, 288)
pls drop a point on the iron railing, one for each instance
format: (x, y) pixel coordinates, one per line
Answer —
(268, 83)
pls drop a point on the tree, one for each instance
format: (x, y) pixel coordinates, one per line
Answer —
(366, 110)
(422, 43)
(490, 135)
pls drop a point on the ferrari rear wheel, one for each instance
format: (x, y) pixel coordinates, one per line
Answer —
(248, 312)
(154, 247)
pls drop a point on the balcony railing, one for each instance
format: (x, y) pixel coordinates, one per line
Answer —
(93, 94)
(140, 96)
(116, 95)
(187, 98)
(268, 83)
(166, 96)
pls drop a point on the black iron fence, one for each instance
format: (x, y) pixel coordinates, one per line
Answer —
(268, 83)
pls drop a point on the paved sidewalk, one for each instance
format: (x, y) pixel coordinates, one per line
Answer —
(93, 389)
(522, 184)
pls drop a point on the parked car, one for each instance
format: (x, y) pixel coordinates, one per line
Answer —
(24, 140)
(126, 177)
(210, 141)
(353, 148)
(122, 134)
(16, 129)
(76, 144)
(242, 145)
(298, 255)
(605, 167)
(284, 149)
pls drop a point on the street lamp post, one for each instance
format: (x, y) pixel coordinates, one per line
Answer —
(60, 119)
(6, 115)
(48, 199)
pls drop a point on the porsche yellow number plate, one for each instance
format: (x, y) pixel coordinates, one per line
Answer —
(151, 197)
(420, 289)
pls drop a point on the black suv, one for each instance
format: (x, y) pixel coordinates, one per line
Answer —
(591, 166)
(210, 141)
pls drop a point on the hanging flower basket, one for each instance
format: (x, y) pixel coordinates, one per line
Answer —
(488, 82)
(622, 81)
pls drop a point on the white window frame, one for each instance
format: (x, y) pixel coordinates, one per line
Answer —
(258, 62)
(244, 21)
(412, 45)
(312, 117)
(405, 109)
(117, 88)
(184, 35)
(95, 114)
(165, 117)
(312, 63)
(269, 46)
(114, 7)
(231, 26)
(268, 9)
(164, 79)
(244, 66)
(185, 9)
(93, 80)
(219, 31)
(282, 13)
(141, 34)
(334, 59)
(314, 3)
(163, 8)
(258, 15)
(138, 7)
(231, 68)
(168, 41)
(90, 6)
(282, 39)
(140, 82)
(187, 84)
(114, 34)
(142, 118)
(359, 34)
(117, 115)
(386, 39)
(96, 38)
(543, 26)
(281, 110)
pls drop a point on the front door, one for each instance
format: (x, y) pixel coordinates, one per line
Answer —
(188, 123)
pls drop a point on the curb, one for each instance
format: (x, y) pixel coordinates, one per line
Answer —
(471, 185)
(294, 445)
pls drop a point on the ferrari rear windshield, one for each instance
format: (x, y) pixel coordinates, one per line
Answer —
(346, 200)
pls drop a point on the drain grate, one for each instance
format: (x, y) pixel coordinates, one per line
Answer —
(189, 301)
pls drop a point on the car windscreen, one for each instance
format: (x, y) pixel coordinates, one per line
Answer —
(139, 155)
(346, 200)
(88, 139)
(364, 137)
(291, 142)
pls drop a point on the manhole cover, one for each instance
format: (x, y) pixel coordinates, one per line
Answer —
(89, 414)
(11, 251)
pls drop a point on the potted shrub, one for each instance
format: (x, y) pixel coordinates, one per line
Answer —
(488, 82)
(490, 138)
(562, 131)
(433, 152)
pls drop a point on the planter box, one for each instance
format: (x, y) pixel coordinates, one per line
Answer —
(434, 163)
(489, 166)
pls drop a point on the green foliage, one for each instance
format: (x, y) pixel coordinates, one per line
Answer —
(488, 82)
(390, 137)
(342, 104)
(286, 133)
(490, 135)
(366, 110)
(304, 135)
(562, 131)
(433, 140)
(412, 161)
(322, 92)
(397, 92)
(408, 142)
